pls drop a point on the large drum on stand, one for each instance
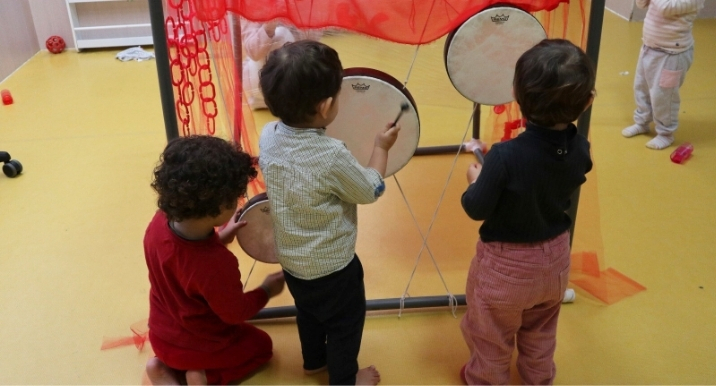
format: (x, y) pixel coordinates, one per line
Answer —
(480, 55)
(369, 100)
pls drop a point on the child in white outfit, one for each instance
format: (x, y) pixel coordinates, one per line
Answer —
(259, 39)
(665, 57)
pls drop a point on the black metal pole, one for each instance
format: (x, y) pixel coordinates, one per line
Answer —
(371, 305)
(476, 121)
(161, 54)
(594, 38)
(237, 46)
(432, 150)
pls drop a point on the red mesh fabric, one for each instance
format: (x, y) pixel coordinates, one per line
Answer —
(205, 70)
(400, 21)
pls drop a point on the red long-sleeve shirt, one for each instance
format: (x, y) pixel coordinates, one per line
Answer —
(196, 299)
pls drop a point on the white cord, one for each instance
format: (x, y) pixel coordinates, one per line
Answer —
(410, 69)
(246, 283)
(451, 298)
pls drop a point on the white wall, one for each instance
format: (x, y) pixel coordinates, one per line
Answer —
(51, 18)
(623, 8)
(709, 10)
(18, 41)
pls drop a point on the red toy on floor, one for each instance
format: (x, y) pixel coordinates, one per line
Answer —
(6, 97)
(55, 44)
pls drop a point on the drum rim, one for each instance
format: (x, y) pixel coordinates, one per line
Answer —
(253, 201)
(372, 72)
(451, 35)
(381, 76)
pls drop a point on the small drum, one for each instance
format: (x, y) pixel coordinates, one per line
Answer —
(481, 54)
(256, 237)
(369, 100)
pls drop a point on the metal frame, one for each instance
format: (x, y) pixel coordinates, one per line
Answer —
(594, 35)
(161, 53)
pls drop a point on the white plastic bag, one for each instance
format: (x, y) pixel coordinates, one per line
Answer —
(135, 53)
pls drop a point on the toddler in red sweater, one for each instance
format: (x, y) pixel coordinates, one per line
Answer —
(197, 305)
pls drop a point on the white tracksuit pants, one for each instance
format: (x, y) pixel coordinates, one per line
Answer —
(656, 87)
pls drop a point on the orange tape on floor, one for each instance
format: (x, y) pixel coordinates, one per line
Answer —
(140, 333)
(608, 285)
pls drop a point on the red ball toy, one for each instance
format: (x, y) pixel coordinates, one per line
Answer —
(55, 44)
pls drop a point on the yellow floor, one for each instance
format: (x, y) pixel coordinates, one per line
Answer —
(88, 130)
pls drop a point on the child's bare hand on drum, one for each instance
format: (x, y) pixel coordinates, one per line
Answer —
(387, 137)
(228, 232)
(473, 171)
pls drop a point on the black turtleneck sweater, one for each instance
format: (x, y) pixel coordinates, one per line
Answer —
(525, 185)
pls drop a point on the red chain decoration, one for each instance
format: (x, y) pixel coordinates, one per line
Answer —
(190, 64)
(196, 75)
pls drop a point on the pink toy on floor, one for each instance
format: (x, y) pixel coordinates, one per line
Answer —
(682, 153)
(6, 97)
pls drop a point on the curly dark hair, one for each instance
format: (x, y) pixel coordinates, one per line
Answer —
(297, 77)
(199, 175)
(553, 82)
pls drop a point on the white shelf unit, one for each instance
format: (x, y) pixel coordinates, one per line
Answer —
(109, 23)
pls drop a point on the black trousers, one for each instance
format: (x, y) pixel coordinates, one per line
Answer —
(330, 318)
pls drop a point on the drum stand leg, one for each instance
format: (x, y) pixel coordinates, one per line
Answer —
(388, 304)
(371, 305)
(452, 149)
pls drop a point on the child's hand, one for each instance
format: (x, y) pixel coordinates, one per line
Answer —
(473, 171)
(228, 232)
(273, 284)
(387, 136)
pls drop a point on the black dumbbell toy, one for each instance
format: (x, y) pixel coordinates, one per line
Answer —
(11, 167)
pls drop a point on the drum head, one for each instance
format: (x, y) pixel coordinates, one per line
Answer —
(256, 237)
(369, 99)
(481, 54)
